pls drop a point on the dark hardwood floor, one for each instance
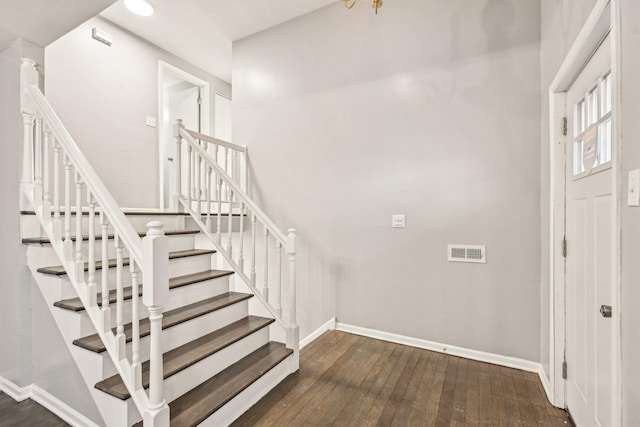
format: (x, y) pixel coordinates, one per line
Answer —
(348, 380)
(26, 413)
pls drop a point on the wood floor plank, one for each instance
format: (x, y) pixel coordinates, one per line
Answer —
(369, 390)
(350, 381)
(26, 413)
(387, 389)
(445, 407)
(395, 399)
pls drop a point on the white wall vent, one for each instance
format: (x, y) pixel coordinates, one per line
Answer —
(467, 253)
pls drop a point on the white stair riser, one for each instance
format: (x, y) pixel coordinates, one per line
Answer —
(249, 396)
(177, 267)
(179, 384)
(179, 297)
(121, 412)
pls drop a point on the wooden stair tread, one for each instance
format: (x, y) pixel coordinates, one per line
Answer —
(45, 240)
(194, 407)
(59, 270)
(74, 304)
(191, 353)
(138, 213)
(170, 318)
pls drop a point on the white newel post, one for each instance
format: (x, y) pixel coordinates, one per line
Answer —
(29, 75)
(155, 293)
(177, 159)
(293, 332)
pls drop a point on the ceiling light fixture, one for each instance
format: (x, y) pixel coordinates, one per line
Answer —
(376, 4)
(139, 7)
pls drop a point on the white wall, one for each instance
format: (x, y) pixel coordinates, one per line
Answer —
(431, 109)
(15, 304)
(102, 94)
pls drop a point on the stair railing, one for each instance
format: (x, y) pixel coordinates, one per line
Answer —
(56, 174)
(215, 182)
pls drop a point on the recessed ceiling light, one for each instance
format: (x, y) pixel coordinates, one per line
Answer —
(139, 7)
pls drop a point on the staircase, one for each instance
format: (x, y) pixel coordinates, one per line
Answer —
(162, 313)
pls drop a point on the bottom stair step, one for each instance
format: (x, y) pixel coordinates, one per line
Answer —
(191, 353)
(198, 404)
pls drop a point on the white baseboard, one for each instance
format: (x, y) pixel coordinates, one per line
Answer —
(545, 383)
(47, 400)
(329, 326)
(14, 391)
(481, 356)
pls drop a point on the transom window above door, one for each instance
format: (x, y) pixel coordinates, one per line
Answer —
(592, 129)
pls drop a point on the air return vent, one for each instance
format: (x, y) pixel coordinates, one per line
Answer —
(467, 253)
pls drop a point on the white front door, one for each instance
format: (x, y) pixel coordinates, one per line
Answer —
(590, 228)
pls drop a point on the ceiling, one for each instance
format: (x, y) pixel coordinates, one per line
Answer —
(202, 31)
(43, 21)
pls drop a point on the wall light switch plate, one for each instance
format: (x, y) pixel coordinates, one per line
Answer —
(633, 191)
(398, 221)
(151, 121)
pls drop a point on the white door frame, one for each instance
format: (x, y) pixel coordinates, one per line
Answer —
(605, 17)
(164, 67)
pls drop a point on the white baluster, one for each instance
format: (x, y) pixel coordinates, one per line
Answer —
(291, 250)
(189, 164)
(120, 336)
(136, 367)
(155, 295)
(198, 184)
(265, 285)
(234, 166)
(293, 332)
(91, 279)
(241, 249)
(208, 222)
(278, 297)
(57, 223)
(219, 218)
(106, 311)
(79, 264)
(192, 174)
(230, 222)
(67, 245)
(27, 155)
(37, 166)
(253, 249)
(45, 175)
(178, 165)
(245, 164)
(226, 160)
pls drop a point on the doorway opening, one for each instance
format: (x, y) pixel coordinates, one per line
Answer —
(181, 96)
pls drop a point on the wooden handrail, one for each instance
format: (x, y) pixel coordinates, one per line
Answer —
(121, 225)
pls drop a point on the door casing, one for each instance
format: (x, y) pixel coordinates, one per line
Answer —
(604, 18)
(164, 68)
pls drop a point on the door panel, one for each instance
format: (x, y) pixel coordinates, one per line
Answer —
(590, 240)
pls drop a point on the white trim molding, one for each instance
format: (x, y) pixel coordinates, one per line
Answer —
(481, 356)
(47, 400)
(14, 391)
(329, 326)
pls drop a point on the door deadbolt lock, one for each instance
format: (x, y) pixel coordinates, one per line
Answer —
(170, 159)
(606, 310)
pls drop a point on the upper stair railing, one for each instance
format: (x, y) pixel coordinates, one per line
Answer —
(216, 179)
(56, 174)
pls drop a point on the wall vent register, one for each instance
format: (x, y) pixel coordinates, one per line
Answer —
(467, 253)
